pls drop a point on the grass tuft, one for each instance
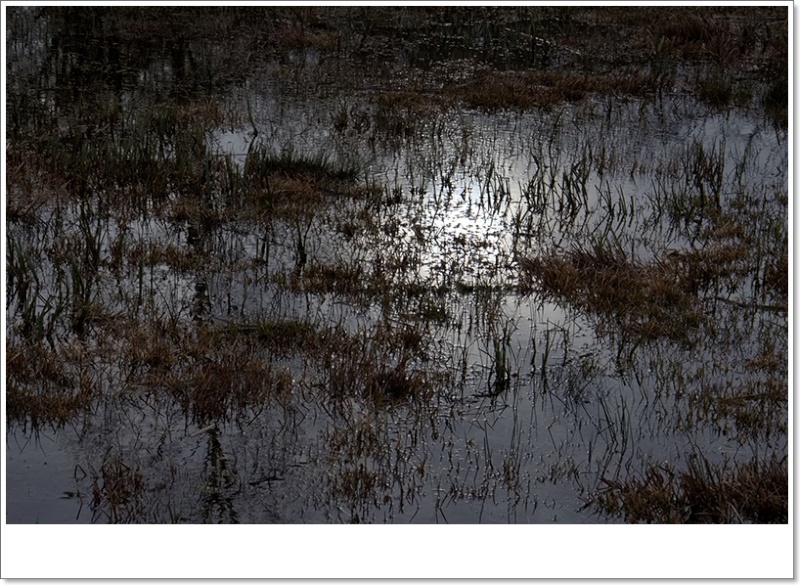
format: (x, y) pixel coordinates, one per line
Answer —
(650, 300)
(704, 493)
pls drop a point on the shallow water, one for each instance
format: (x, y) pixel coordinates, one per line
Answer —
(465, 194)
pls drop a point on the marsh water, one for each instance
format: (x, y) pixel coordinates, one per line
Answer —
(368, 347)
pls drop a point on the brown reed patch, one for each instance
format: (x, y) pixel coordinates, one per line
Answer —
(651, 300)
(543, 89)
(704, 493)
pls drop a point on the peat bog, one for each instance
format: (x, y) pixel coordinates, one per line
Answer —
(397, 264)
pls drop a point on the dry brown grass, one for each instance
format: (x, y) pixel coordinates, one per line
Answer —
(776, 275)
(220, 371)
(118, 493)
(651, 300)
(661, 298)
(214, 390)
(689, 33)
(399, 113)
(704, 493)
(384, 366)
(756, 408)
(46, 386)
(396, 385)
(714, 91)
(543, 89)
(49, 407)
(178, 257)
(318, 278)
(707, 268)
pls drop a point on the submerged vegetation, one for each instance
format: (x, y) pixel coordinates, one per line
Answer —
(399, 264)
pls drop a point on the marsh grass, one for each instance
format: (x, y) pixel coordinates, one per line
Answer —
(47, 406)
(715, 91)
(279, 335)
(499, 364)
(704, 493)
(117, 493)
(649, 299)
(227, 379)
(315, 315)
(545, 89)
(263, 164)
(341, 279)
